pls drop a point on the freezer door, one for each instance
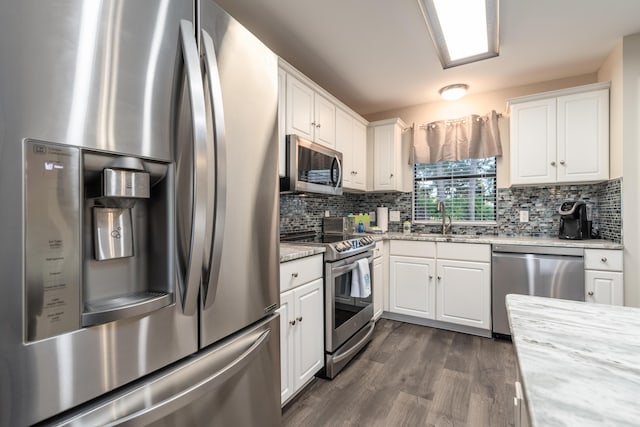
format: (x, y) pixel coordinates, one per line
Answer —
(234, 383)
(242, 260)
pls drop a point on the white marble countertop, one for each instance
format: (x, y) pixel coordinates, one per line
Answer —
(290, 251)
(579, 362)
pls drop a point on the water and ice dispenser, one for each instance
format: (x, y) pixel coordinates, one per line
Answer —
(98, 237)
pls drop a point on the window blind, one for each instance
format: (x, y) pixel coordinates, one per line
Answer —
(467, 187)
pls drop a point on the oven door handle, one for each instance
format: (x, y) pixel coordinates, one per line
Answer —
(341, 270)
(356, 347)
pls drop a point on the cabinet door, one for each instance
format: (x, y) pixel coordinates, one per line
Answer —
(383, 158)
(359, 156)
(325, 121)
(286, 311)
(604, 287)
(344, 144)
(411, 288)
(309, 332)
(463, 292)
(583, 136)
(299, 108)
(378, 277)
(533, 142)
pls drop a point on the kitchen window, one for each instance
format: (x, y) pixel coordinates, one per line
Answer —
(467, 187)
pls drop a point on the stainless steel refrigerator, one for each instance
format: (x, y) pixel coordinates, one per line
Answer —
(139, 208)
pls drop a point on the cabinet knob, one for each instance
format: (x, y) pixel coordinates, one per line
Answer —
(390, 175)
(590, 293)
(355, 172)
(317, 125)
(430, 276)
(553, 163)
(562, 162)
(299, 319)
(603, 259)
(292, 322)
(294, 275)
(313, 124)
(439, 278)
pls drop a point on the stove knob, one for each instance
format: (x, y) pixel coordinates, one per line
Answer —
(339, 247)
(347, 244)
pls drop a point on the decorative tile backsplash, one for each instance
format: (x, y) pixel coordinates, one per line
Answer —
(304, 212)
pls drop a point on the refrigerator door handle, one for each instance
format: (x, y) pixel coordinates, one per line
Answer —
(175, 390)
(183, 398)
(190, 284)
(219, 193)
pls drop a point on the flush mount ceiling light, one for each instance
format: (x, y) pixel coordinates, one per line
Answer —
(453, 92)
(463, 31)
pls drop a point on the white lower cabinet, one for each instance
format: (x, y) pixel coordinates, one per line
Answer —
(446, 282)
(301, 336)
(463, 290)
(378, 277)
(603, 276)
(411, 288)
(604, 287)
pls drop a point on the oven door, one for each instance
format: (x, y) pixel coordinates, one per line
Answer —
(345, 315)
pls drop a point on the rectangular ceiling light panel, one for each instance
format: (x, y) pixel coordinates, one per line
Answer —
(463, 31)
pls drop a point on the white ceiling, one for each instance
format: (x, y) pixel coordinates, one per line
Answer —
(377, 55)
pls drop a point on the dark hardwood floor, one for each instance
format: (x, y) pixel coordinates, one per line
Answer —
(412, 375)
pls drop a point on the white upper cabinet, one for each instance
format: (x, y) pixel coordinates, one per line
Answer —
(307, 110)
(583, 136)
(389, 166)
(309, 114)
(561, 136)
(351, 141)
(533, 142)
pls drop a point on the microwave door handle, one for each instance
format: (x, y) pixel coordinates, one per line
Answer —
(218, 191)
(190, 283)
(336, 160)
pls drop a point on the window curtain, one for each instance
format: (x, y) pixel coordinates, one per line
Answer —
(470, 137)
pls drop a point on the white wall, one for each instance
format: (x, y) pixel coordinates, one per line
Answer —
(611, 70)
(631, 166)
(481, 103)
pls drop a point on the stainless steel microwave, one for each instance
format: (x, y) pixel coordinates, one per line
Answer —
(311, 168)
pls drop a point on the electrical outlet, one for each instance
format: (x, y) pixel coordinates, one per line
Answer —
(394, 216)
(327, 213)
(372, 216)
(524, 216)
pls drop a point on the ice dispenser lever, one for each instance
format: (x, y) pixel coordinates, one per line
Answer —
(113, 233)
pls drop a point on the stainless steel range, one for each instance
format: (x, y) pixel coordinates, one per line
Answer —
(348, 319)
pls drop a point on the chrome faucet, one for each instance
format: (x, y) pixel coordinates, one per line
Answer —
(440, 207)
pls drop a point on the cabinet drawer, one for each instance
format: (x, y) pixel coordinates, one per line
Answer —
(413, 248)
(300, 271)
(464, 251)
(603, 259)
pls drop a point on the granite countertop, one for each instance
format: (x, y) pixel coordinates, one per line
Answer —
(505, 240)
(579, 362)
(290, 251)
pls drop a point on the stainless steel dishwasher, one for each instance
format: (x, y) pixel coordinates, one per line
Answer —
(556, 272)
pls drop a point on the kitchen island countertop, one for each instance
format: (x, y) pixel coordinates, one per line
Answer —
(579, 362)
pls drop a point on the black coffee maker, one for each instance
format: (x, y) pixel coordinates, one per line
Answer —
(575, 223)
